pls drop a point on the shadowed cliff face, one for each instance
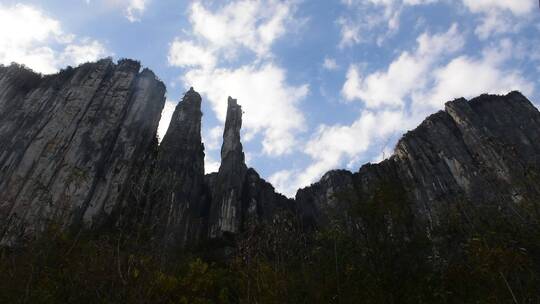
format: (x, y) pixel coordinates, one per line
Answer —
(225, 212)
(68, 141)
(78, 149)
(178, 176)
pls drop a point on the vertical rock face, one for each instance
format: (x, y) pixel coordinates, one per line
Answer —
(178, 178)
(482, 153)
(226, 208)
(79, 149)
(335, 187)
(68, 142)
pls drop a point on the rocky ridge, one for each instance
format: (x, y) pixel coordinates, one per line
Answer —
(79, 149)
(474, 156)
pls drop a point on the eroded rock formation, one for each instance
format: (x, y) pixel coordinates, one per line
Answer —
(68, 142)
(477, 155)
(240, 197)
(78, 149)
(226, 208)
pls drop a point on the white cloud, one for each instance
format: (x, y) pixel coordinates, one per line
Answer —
(465, 76)
(331, 145)
(187, 54)
(517, 7)
(218, 36)
(39, 41)
(212, 138)
(85, 51)
(330, 64)
(210, 164)
(429, 77)
(135, 9)
(365, 16)
(420, 82)
(408, 72)
(253, 25)
(499, 16)
(350, 32)
(269, 103)
(281, 180)
(166, 116)
(131, 9)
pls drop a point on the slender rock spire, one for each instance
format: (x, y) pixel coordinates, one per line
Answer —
(225, 212)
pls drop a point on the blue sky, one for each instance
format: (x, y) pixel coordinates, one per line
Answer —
(324, 84)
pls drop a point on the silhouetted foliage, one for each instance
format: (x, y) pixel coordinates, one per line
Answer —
(372, 251)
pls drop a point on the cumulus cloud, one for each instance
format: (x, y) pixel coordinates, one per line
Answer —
(269, 103)
(39, 41)
(188, 54)
(221, 34)
(84, 51)
(252, 24)
(331, 145)
(217, 37)
(468, 76)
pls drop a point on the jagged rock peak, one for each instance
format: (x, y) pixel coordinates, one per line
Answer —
(231, 134)
(185, 124)
(179, 177)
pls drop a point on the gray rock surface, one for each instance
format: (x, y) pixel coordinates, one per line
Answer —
(178, 178)
(68, 142)
(226, 208)
(78, 149)
(477, 154)
(240, 197)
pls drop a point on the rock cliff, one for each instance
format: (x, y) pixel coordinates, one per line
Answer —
(68, 142)
(78, 149)
(474, 156)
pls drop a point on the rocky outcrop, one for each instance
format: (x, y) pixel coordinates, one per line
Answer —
(68, 142)
(476, 155)
(239, 197)
(177, 181)
(78, 149)
(226, 208)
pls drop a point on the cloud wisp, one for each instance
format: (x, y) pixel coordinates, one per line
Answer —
(40, 42)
